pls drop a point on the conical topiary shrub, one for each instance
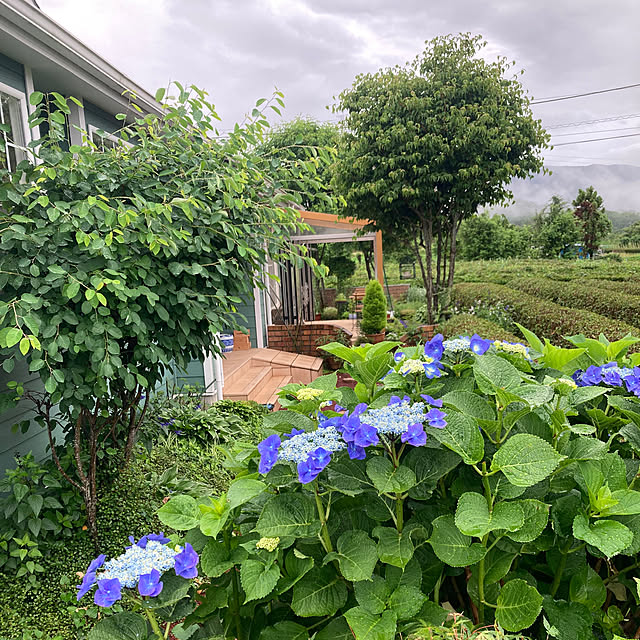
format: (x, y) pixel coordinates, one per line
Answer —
(374, 309)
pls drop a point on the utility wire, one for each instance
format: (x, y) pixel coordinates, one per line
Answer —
(564, 144)
(610, 119)
(581, 133)
(582, 95)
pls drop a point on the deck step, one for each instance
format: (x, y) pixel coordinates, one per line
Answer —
(247, 384)
(269, 393)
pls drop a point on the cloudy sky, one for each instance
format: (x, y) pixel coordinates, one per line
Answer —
(240, 50)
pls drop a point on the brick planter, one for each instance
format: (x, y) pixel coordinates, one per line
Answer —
(300, 338)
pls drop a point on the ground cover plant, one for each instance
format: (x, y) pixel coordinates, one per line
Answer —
(493, 478)
(543, 316)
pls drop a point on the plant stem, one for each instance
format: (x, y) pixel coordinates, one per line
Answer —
(399, 513)
(324, 532)
(557, 578)
(485, 539)
(154, 623)
(236, 590)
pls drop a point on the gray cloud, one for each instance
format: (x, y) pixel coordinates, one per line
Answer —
(239, 50)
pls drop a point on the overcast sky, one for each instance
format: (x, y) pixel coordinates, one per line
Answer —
(240, 50)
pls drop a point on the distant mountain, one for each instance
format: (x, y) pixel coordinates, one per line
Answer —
(618, 184)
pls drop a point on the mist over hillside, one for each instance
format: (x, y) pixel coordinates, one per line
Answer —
(618, 184)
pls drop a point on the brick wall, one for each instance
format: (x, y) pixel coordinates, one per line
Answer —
(300, 338)
(397, 292)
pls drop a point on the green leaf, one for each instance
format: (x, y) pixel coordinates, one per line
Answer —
(242, 490)
(536, 516)
(337, 629)
(534, 342)
(35, 501)
(388, 479)
(493, 372)
(121, 626)
(12, 337)
(286, 630)
(342, 352)
(325, 383)
(368, 626)
(525, 459)
(470, 404)
(628, 503)
(356, 555)
(36, 98)
(258, 580)
(497, 564)
(289, 514)
(585, 394)
(372, 595)
(393, 548)
(174, 589)
(160, 94)
(462, 436)
(20, 491)
(180, 513)
(295, 568)
(558, 357)
(587, 588)
(453, 547)
(473, 517)
(429, 465)
(572, 620)
(215, 559)
(213, 517)
(518, 605)
(321, 592)
(609, 536)
(406, 601)
(348, 476)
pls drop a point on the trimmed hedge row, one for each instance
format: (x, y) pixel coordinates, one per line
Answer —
(544, 317)
(630, 287)
(583, 295)
(466, 324)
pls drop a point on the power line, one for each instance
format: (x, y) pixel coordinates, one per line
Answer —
(610, 119)
(564, 144)
(580, 133)
(582, 95)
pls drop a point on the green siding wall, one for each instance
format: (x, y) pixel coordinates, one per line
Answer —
(101, 119)
(12, 73)
(193, 376)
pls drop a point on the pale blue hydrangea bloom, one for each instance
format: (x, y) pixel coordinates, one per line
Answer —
(298, 448)
(457, 345)
(396, 418)
(136, 561)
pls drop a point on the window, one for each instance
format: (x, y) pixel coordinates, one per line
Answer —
(104, 140)
(12, 132)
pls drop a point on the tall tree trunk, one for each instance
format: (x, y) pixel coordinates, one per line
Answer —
(416, 249)
(427, 236)
(367, 252)
(439, 258)
(455, 225)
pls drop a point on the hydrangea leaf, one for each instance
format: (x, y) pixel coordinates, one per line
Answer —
(121, 626)
(470, 404)
(289, 514)
(525, 459)
(337, 629)
(213, 518)
(585, 394)
(348, 476)
(175, 588)
(587, 588)
(536, 516)
(492, 372)
(320, 593)
(628, 503)
(473, 517)
(572, 619)
(286, 630)
(406, 602)
(393, 548)
(609, 536)
(258, 579)
(244, 489)
(372, 595)
(535, 395)
(215, 559)
(496, 565)
(453, 547)
(296, 566)
(180, 513)
(388, 479)
(356, 555)
(462, 436)
(325, 383)
(519, 604)
(429, 465)
(367, 626)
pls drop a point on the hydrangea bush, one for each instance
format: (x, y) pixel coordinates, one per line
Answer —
(491, 478)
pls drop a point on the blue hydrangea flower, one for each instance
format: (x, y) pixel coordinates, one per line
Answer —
(109, 591)
(268, 449)
(436, 418)
(457, 345)
(431, 401)
(89, 578)
(414, 435)
(400, 417)
(149, 584)
(592, 376)
(479, 346)
(355, 452)
(310, 469)
(186, 562)
(434, 348)
(398, 355)
(432, 370)
(366, 436)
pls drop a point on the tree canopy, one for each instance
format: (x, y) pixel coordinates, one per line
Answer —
(485, 237)
(554, 228)
(427, 143)
(592, 218)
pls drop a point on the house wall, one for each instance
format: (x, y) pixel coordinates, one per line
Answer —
(12, 73)
(95, 116)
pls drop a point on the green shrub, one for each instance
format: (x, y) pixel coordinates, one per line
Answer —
(466, 324)
(374, 309)
(329, 313)
(583, 295)
(416, 293)
(421, 316)
(250, 412)
(542, 316)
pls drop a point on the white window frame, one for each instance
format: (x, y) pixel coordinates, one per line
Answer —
(108, 136)
(24, 113)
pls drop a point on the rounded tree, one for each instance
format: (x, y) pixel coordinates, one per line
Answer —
(374, 309)
(592, 219)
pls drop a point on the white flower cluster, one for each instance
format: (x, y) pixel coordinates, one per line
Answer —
(396, 418)
(568, 381)
(298, 448)
(136, 561)
(457, 345)
(412, 366)
(308, 393)
(269, 544)
(512, 347)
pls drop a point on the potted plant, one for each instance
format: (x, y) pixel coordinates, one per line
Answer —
(329, 313)
(374, 312)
